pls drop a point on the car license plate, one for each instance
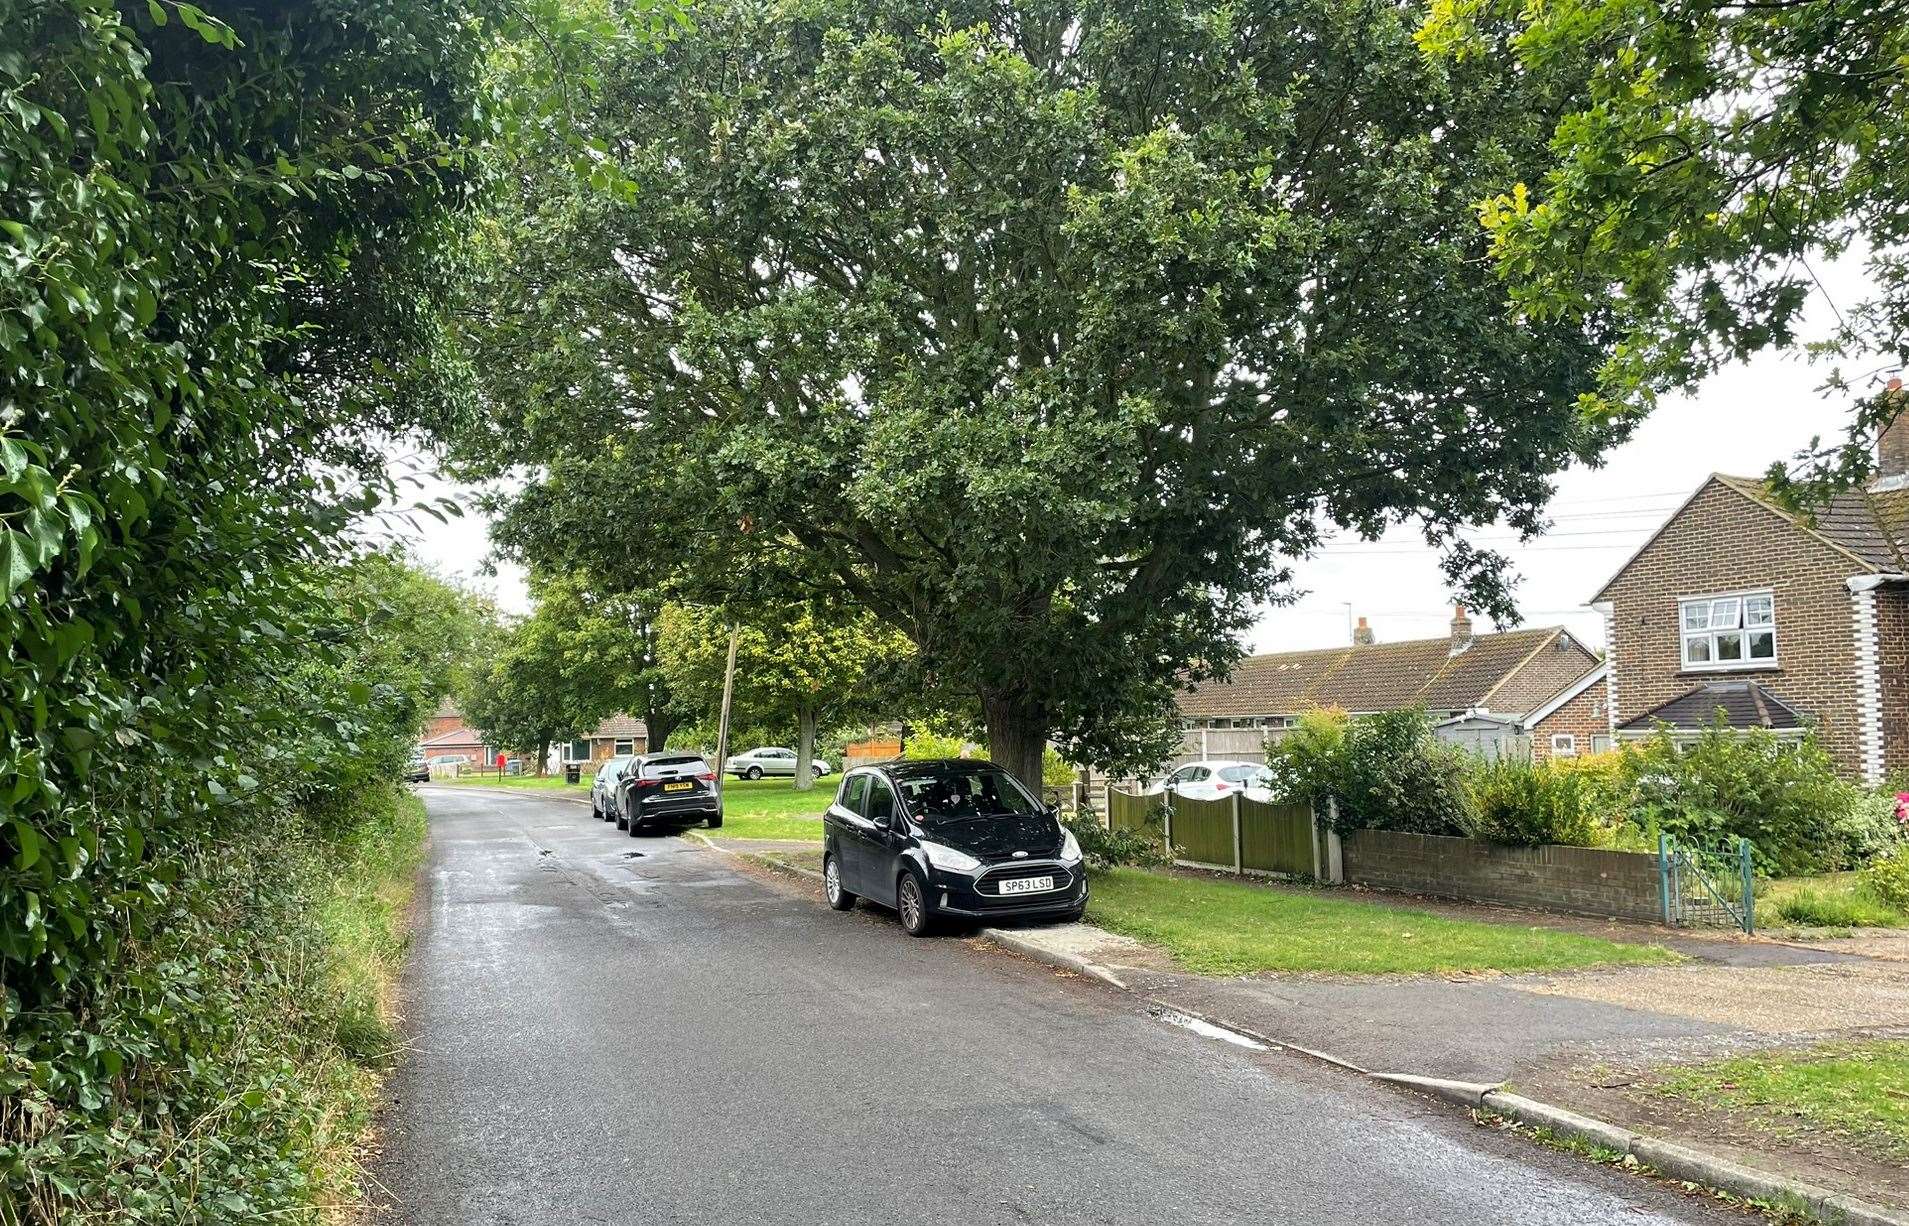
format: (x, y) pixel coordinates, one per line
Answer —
(684, 786)
(1026, 885)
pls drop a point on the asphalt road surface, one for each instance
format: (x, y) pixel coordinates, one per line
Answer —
(602, 1036)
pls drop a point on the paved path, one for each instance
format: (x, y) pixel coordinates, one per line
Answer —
(665, 1038)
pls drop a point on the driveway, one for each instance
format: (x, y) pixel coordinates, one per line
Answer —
(606, 1029)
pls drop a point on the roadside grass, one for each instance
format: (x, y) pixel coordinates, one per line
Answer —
(1859, 1091)
(773, 809)
(362, 917)
(1235, 928)
(1834, 900)
(552, 783)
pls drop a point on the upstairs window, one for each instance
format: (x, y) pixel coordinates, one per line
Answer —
(1725, 632)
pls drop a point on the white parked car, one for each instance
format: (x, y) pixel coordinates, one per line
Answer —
(1217, 780)
(769, 760)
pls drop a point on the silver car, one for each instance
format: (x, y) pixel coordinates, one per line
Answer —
(603, 786)
(769, 760)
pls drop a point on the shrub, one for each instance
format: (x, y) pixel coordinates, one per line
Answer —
(1527, 804)
(1867, 830)
(1104, 848)
(1784, 796)
(1385, 771)
(1888, 879)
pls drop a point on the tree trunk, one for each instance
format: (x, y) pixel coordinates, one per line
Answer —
(657, 726)
(804, 747)
(1017, 736)
(543, 756)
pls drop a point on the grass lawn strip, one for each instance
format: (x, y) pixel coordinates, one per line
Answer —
(1232, 928)
(1859, 1091)
(752, 809)
(1834, 900)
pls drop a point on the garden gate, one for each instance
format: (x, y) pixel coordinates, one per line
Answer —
(1706, 891)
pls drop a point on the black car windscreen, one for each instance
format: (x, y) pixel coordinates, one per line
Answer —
(952, 792)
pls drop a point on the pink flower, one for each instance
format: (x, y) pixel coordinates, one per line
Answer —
(1902, 807)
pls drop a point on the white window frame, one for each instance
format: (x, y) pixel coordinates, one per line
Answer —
(1564, 745)
(625, 746)
(1708, 600)
(1601, 743)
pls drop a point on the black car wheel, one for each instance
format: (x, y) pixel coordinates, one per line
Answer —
(819, 772)
(622, 822)
(716, 822)
(636, 829)
(753, 773)
(595, 811)
(832, 890)
(911, 902)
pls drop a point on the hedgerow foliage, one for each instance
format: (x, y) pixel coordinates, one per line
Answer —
(222, 246)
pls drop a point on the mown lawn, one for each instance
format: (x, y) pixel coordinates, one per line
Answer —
(1235, 928)
(773, 809)
(1859, 1091)
(541, 782)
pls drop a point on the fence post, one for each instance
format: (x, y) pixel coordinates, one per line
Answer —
(1749, 888)
(1318, 869)
(1107, 802)
(1663, 876)
(1239, 861)
(1334, 852)
(1167, 822)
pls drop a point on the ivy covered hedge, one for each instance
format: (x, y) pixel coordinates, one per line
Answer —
(224, 239)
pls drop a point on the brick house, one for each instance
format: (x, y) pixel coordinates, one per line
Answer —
(619, 734)
(1503, 677)
(1776, 620)
(1575, 721)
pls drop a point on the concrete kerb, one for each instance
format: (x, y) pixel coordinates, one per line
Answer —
(1691, 1165)
(760, 857)
(1670, 1159)
(1053, 957)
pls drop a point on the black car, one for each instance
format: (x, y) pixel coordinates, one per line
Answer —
(667, 789)
(952, 839)
(603, 786)
(415, 771)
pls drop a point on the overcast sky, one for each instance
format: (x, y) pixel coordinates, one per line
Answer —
(1738, 422)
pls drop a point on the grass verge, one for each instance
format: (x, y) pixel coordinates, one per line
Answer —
(1233, 928)
(1858, 1091)
(1835, 900)
(773, 809)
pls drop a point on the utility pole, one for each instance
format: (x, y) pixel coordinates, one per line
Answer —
(722, 721)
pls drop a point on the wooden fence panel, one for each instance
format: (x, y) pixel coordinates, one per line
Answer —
(1203, 830)
(1276, 838)
(1126, 811)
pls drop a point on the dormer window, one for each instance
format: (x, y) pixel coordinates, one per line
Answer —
(1728, 631)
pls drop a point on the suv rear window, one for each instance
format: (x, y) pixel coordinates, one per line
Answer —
(678, 765)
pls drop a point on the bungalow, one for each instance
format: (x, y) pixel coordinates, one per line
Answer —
(1534, 683)
(619, 734)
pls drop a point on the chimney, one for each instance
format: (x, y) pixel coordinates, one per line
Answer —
(1362, 634)
(1461, 630)
(1892, 447)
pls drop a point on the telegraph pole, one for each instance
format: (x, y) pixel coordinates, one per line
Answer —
(722, 721)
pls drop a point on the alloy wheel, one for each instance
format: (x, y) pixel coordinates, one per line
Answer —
(909, 901)
(832, 881)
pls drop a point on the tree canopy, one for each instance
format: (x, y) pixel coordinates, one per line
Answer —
(796, 666)
(1722, 151)
(1046, 332)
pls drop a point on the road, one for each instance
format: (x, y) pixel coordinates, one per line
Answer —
(617, 1030)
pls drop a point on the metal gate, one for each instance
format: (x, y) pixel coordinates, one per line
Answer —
(1702, 891)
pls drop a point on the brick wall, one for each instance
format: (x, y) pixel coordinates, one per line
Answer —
(1578, 880)
(1583, 717)
(1538, 680)
(1721, 542)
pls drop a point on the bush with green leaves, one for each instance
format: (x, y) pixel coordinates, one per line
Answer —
(1867, 830)
(1383, 772)
(1522, 803)
(1103, 847)
(1888, 878)
(1784, 795)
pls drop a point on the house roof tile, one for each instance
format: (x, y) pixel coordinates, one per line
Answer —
(1743, 704)
(1871, 525)
(1373, 677)
(620, 727)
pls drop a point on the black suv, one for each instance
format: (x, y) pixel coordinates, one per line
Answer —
(952, 838)
(667, 789)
